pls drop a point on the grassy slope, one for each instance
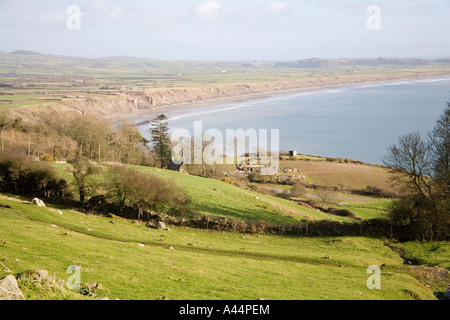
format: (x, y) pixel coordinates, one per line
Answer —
(213, 265)
(428, 253)
(214, 197)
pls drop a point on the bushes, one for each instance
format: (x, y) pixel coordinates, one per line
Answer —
(20, 175)
(128, 187)
(377, 192)
(342, 213)
(375, 228)
(420, 220)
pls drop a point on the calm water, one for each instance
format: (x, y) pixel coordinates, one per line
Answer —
(357, 122)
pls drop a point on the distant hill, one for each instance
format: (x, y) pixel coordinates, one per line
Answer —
(25, 52)
(378, 62)
(31, 59)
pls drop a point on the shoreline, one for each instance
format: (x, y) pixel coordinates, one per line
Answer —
(171, 109)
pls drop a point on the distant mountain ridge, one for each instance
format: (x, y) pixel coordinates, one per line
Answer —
(314, 63)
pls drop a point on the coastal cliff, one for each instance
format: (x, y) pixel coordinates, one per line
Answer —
(159, 100)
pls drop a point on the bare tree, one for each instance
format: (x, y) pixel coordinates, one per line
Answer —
(325, 193)
(440, 142)
(411, 165)
(420, 168)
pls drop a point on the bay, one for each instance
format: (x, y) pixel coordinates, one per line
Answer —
(356, 122)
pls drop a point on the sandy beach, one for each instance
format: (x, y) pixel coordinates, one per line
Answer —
(170, 109)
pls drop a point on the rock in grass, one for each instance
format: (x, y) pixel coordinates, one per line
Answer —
(41, 274)
(9, 290)
(161, 225)
(90, 286)
(57, 211)
(38, 202)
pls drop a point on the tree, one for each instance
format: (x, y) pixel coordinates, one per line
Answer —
(410, 163)
(128, 144)
(420, 168)
(325, 193)
(161, 140)
(82, 169)
(118, 185)
(440, 143)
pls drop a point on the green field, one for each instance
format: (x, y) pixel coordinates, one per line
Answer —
(428, 253)
(217, 198)
(191, 264)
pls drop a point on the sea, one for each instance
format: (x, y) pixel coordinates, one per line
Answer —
(358, 122)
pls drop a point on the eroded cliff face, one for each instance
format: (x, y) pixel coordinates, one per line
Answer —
(152, 100)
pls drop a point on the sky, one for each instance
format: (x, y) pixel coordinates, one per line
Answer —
(228, 30)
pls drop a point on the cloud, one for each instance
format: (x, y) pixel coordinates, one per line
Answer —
(277, 8)
(208, 10)
(409, 7)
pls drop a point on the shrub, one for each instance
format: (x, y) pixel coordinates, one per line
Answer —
(46, 157)
(145, 193)
(342, 213)
(227, 180)
(422, 222)
(298, 189)
(20, 175)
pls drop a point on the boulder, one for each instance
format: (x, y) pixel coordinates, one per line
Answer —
(38, 202)
(161, 225)
(9, 290)
(90, 286)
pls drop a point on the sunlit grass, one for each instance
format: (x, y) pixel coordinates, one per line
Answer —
(202, 264)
